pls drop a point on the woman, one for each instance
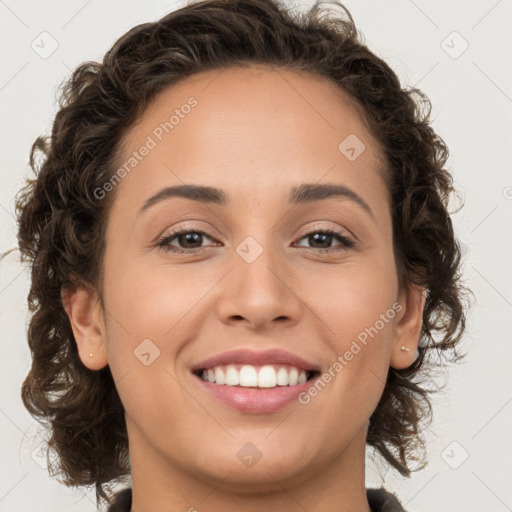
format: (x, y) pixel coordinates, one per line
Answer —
(241, 253)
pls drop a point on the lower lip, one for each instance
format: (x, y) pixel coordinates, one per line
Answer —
(255, 400)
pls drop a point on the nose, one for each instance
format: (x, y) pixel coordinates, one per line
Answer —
(260, 294)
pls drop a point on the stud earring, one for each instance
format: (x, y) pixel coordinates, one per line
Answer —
(91, 355)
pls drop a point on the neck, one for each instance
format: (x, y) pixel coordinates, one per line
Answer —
(159, 483)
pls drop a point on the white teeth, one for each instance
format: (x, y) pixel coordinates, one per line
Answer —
(249, 376)
(232, 376)
(293, 377)
(267, 377)
(220, 377)
(282, 377)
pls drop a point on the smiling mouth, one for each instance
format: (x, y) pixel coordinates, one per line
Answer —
(258, 377)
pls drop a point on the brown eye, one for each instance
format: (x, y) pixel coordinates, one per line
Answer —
(188, 240)
(322, 239)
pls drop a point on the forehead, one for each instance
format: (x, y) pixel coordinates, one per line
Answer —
(253, 129)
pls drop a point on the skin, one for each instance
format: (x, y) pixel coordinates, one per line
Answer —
(254, 133)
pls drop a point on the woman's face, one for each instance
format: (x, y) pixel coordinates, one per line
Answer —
(264, 277)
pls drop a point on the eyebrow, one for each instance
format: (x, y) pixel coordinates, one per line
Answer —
(305, 193)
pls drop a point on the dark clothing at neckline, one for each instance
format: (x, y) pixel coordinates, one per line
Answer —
(379, 499)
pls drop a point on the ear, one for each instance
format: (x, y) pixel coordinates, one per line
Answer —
(86, 317)
(408, 327)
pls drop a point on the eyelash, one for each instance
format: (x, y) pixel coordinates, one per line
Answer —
(164, 243)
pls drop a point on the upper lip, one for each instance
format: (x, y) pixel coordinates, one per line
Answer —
(252, 357)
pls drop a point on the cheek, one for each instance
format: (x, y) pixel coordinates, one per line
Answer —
(146, 310)
(354, 296)
(358, 310)
(357, 322)
(358, 315)
(152, 311)
(149, 301)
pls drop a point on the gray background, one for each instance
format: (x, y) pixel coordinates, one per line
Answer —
(471, 94)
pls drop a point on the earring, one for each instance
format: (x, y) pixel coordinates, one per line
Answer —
(403, 348)
(91, 355)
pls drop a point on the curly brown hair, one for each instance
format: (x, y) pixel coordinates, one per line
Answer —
(61, 224)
